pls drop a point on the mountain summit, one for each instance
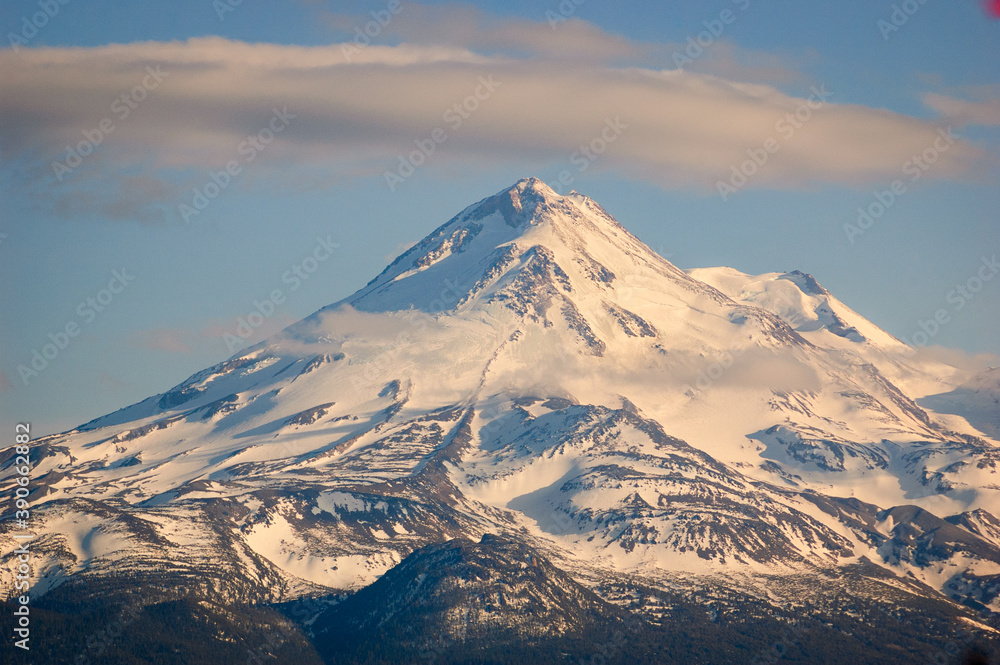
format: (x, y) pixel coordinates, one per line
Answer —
(531, 369)
(552, 242)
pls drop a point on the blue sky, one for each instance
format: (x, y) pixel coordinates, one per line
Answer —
(341, 113)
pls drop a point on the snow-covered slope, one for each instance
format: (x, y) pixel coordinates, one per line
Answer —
(976, 400)
(531, 367)
(798, 299)
(826, 322)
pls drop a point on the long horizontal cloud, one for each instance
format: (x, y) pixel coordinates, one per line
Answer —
(355, 114)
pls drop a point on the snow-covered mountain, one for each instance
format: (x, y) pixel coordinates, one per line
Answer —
(532, 369)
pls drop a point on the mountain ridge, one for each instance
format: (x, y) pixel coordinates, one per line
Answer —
(575, 392)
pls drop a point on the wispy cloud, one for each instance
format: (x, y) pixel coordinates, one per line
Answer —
(354, 117)
(565, 38)
(164, 339)
(109, 382)
(965, 112)
(209, 336)
(472, 28)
